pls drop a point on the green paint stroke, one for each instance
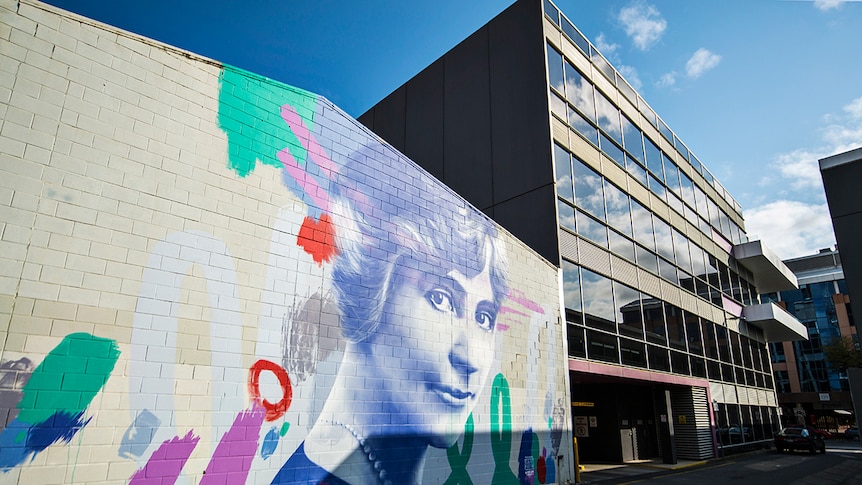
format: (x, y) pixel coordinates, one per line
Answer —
(249, 112)
(69, 378)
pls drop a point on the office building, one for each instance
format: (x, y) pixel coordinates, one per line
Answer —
(810, 390)
(666, 337)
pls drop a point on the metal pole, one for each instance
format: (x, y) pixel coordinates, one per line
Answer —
(577, 462)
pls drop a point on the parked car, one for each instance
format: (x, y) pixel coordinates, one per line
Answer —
(852, 433)
(799, 438)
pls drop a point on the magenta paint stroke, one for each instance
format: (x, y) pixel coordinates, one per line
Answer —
(166, 463)
(232, 459)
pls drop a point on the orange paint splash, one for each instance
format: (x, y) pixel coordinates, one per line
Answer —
(317, 238)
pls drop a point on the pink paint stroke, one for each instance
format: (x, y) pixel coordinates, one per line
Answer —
(232, 459)
(306, 181)
(315, 151)
(166, 463)
(518, 297)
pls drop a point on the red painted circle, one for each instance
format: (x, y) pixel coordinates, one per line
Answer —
(277, 410)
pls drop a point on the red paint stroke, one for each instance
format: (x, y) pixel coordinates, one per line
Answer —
(166, 463)
(232, 458)
(518, 297)
(277, 410)
(317, 238)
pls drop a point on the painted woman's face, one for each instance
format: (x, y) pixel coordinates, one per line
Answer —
(433, 351)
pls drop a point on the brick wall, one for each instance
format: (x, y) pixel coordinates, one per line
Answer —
(180, 296)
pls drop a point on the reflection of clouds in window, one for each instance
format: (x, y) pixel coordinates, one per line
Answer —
(618, 211)
(567, 215)
(633, 139)
(597, 293)
(627, 304)
(608, 117)
(579, 92)
(555, 69)
(588, 190)
(642, 225)
(663, 238)
(571, 286)
(563, 167)
(592, 230)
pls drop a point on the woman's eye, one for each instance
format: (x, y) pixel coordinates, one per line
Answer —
(440, 300)
(485, 319)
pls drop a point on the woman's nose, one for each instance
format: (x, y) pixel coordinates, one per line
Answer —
(461, 356)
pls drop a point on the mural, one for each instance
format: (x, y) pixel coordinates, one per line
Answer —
(346, 320)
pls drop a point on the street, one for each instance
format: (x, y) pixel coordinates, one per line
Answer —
(842, 464)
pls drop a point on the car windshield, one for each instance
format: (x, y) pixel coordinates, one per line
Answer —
(792, 432)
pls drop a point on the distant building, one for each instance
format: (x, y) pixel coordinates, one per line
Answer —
(808, 389)
(667, 341)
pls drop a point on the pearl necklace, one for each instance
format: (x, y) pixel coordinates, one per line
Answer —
(376, 465)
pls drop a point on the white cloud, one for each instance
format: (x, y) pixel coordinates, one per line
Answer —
(643, 24)
(631, 75)
(854, 109)
(667, 80)
(604, 46)
(791, 228)
(701, 61)
(801, 168)
(827, 4)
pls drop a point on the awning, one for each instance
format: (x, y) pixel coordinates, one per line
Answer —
(770, 273)
(841, 411)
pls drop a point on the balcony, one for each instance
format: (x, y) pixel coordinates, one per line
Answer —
(770, 273)
(776, 323)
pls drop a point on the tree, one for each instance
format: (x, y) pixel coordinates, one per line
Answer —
(842, 354)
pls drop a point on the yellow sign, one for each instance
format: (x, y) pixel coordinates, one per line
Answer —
(682, 419)
(583, 404)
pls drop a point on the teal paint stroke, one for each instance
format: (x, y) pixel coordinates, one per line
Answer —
(55, 397)
(250, 115)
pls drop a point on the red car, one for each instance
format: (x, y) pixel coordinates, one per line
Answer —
(826, 435)
(799, 439)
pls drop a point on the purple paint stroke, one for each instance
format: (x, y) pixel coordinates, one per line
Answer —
(232, 459)
(315, 151)
(305, 180)
(166, 463)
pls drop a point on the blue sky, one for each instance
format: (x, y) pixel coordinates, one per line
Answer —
(759, 90)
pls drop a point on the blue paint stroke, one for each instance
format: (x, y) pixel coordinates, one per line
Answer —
(139, 435)
(21, 439)
(270, 442)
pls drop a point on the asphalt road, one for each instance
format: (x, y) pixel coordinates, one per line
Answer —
(842, 464)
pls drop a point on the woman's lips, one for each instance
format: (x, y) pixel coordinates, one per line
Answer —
(451, 395)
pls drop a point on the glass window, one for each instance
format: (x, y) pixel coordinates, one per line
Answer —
(632, 139)
(558, 106)
(698, 266)
(636, 170)
(642, 225)
(626, 89)
(628, 304)
(555, 69)
(618, 210)
(597, 292)
(563, 168)
(723, 343)
(603, 347)
(582, 126)
(667, 270)
(698, 366)
(551, 11)
(588, 189)
(567, 215)
(602, 64)
(657, 188)
(575, 36)
(671, 176)
(591, 229)
(632, 353)
(683, 258)
(646, 259)
(692, 330)
(687, 189)
(654, 320)
(611, 149)
(608, 117)
(621, 246)
(571, 286)
(665, 131)
(658, 359)
(653, 159)
(675, 203)
(675, 326)
(580, 92)
(700, 199)
(663, 238)
(577, 342)
(709, 340)
(679, 363)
